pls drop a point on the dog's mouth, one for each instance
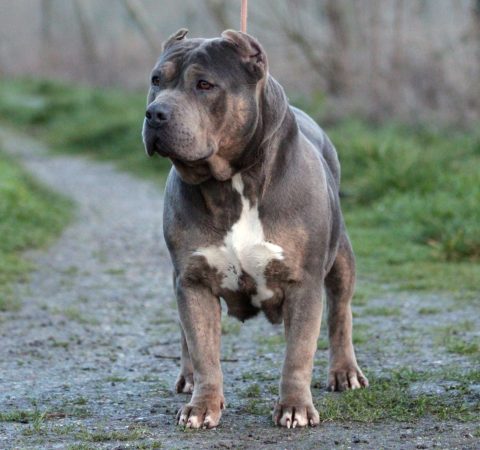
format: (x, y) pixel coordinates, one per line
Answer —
(164, 151)
(163, 145)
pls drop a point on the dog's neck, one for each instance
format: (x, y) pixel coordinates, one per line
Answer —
(266, 154)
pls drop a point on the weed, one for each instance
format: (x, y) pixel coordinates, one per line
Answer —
(133, 434)
(75, 315)
(457, 339)
(360, 333)
(80, 447)
(322, 344)
(116, 379)
(382, 311)
(252, 391)
(116, 272)
(271, 342)
(426, 310)
(230, 326)
(257, 407)
(19, 416)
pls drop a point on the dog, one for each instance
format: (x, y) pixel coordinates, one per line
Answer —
(252, 216)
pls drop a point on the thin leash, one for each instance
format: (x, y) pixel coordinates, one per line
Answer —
(243, 14)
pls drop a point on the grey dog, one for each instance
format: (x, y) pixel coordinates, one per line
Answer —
(252, 215)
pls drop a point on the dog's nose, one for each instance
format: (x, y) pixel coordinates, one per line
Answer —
(158, 114)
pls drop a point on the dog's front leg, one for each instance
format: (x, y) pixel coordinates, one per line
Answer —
(200, 315)
(302, 316)
(184, 381)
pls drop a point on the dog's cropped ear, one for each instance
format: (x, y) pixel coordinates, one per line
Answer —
(250, 51)
(174, 38)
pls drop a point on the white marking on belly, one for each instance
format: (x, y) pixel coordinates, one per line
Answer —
(244, 248)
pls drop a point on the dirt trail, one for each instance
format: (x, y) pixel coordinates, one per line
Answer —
(95, 342)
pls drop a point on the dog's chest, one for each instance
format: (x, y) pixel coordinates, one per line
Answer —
(244, 252)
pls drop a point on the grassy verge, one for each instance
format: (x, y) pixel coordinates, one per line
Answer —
(30, 216)
(391, 397)
(411, 195)
(411, 204)
(400, 395)
(101, 123)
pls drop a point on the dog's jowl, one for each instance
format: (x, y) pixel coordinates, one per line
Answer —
(252, 216)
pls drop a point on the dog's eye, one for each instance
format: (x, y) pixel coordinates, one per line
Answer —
(155, 80)
(204, 85)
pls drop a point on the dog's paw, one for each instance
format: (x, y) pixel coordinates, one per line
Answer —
(293, 416)
(346, 376)
(184, 383)
(200, 415)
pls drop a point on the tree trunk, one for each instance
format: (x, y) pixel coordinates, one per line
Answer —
(339, 80)
(476, 37)
(139, 17)
(375, 88)
(46, 34)
(87, 35)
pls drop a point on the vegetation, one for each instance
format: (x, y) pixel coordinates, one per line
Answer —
(410, 195)
(101, 123)
(389, 397)
(411, 201)
(30, 215)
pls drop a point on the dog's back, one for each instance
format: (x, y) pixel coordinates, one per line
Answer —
(313, 133)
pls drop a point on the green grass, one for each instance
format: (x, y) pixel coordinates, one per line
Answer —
(252, 391)
(133, 434)
(389, 398)
(74, 314)
(381, 311)
(459, 339)
(230, 326)
(411, 195)
(411, 201)
(30, 216)
(258, 407)
(101, 123)
(21, 416)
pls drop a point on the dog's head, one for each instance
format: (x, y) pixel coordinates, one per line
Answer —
(203, 103)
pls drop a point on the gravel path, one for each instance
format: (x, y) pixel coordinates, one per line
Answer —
(92, 354)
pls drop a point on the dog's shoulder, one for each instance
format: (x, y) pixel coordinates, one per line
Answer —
(319, 139)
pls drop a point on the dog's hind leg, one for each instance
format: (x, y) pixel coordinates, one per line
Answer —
(184, 383)
(344, 372)
(302, 313)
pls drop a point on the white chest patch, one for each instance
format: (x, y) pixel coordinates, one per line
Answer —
(244, 249)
